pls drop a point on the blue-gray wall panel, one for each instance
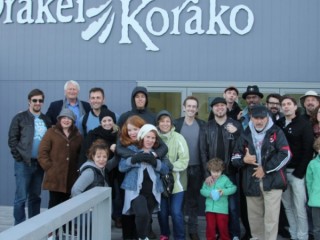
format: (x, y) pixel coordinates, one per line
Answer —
(282, 46)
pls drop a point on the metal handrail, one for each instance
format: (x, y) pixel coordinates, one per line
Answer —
(98, 200)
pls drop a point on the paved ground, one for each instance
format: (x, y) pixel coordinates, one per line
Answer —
(6, 221)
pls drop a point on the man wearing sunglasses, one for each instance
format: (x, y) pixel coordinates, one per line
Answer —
(26, 131)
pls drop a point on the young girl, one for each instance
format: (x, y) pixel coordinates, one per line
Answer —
(92, 172)
(217, 200)
(142, 182)
(313, 187)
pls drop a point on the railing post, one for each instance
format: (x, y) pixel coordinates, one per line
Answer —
(101, 219)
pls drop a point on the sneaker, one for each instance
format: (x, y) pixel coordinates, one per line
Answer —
(163, 237)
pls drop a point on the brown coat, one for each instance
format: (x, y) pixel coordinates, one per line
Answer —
(58, 156)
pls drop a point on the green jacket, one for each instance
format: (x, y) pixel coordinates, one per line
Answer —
(221, 205)
(312, 180)
(178, 154)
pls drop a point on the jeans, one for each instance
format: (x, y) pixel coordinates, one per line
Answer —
(192, 197)
(28, 189)
(294, 201)
(316, 222)
(172, 205)
(234, 212)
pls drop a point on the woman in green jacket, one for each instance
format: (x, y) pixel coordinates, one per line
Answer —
(178, 154)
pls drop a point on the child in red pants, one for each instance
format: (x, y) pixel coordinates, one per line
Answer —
(216, 195)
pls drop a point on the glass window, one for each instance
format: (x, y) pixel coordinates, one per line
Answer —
(170, 101)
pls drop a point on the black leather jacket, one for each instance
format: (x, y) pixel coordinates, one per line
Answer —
(275, 155)
(21, 133)
(209, 140)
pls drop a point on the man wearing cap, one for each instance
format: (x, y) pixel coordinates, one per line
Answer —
(309, 101)
(189, 127)
(71, 101)
(217, 139)
(231, 96)
(262, 153)
(299, 134)
(25, 133)
(253, 97)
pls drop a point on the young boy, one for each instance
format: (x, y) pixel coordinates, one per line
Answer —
(313, 187)
(217, 200)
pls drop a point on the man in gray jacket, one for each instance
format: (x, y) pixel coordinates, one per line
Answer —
(25, 133)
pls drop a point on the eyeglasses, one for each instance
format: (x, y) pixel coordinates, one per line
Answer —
(37, 100)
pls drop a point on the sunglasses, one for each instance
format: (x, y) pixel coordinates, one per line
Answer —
(37, 100)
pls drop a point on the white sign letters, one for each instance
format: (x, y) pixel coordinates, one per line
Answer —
(56, 11)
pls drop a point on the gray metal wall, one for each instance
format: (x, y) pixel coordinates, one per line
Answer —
(283, 45)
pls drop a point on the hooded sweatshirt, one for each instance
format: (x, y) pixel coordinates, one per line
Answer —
(258, 137)
(144, 113)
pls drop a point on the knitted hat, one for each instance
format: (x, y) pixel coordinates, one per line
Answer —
(66, 112)
(164, 113)
(144, 130)
(105, 112)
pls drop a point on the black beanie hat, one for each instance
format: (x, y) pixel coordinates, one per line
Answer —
(107, 113)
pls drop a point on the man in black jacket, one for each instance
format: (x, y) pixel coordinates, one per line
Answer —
(189, 127)
(217, 139)
(262, 153)
(26, 131)
(299, 134)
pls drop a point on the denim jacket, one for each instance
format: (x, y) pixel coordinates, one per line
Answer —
(130, 181)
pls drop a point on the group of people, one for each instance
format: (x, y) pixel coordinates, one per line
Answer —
(248, 164)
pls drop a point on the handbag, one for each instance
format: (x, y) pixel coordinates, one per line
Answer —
(168, 182)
